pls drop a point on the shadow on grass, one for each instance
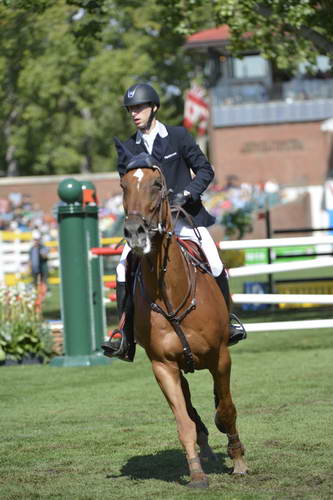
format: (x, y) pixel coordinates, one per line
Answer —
(167, 465)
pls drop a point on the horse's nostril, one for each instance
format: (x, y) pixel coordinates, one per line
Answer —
(127, 233)
(141, 230)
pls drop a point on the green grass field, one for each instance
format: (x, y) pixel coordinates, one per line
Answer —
(107, 433)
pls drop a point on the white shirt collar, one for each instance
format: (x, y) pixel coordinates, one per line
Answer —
(158, 129)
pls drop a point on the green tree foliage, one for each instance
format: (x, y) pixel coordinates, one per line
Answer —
(64, 67)
(286, 31)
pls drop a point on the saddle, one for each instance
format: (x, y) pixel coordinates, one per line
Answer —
(193, 251)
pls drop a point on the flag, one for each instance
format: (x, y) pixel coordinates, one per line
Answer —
(196, 110)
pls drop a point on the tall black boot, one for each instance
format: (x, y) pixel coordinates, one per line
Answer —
(121, 295)
(236, 329)
(121, 341)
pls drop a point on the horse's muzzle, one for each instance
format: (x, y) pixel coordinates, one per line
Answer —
(137, 234)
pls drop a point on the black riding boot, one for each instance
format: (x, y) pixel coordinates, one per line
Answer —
(236, 329)
(121, 341)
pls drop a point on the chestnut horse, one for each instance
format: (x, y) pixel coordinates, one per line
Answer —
(180, 316)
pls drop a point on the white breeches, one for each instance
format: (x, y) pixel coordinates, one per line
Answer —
(187, 233)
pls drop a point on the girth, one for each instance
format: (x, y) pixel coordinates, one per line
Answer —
(175, 317)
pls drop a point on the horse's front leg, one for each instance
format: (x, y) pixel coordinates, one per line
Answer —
(168, 377)
(206, 453)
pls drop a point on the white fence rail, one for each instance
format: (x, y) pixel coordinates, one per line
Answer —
(281, 267)
(276, 242)
(309, 324)
(319, 262)
(14, 253)
(261, 298)
(14, 259)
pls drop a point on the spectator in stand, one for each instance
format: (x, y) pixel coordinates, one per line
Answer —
(232, 182)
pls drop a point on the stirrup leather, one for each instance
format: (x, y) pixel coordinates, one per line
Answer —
(237, 330)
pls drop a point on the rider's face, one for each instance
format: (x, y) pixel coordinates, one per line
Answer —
(140, 114)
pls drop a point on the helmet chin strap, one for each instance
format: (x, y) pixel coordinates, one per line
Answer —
(150, 119)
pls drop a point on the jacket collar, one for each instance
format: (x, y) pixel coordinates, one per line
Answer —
(161, 130)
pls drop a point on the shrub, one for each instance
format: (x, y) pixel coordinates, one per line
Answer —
(237, 223)
(22, 330)
(232, 258)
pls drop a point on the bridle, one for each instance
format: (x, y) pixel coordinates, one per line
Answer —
(174, 315)
(148, 224)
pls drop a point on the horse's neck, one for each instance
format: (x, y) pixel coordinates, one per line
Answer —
(166, 270)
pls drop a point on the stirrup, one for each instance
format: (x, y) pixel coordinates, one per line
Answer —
(121, 351)
(236, 330)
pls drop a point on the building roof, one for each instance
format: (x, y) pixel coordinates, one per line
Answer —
(209, 38)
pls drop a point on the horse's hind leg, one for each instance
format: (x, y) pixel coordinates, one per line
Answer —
(169, 380)
(206, 452)
(225, 417)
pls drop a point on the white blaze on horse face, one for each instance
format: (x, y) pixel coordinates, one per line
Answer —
(139, 174)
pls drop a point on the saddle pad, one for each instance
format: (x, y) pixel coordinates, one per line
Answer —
(194, 250)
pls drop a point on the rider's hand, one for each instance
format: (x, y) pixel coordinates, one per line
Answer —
(181, 198)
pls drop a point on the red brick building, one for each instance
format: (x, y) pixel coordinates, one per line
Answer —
(265, 125)
(43, 189)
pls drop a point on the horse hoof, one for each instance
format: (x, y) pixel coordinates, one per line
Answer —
(199, 484)
(240, 469)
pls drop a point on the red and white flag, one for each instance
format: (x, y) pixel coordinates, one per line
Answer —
(196, 110)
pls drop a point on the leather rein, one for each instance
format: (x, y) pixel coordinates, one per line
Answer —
(173, 315)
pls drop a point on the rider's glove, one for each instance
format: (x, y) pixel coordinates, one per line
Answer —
(181, 198)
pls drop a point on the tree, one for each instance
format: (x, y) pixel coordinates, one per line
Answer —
(65, 66)
(286, 31)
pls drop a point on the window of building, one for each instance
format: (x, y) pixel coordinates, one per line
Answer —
(253, 66)
(322, 66)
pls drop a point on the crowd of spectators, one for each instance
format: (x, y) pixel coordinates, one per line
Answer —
(18, 212)
(234, 195)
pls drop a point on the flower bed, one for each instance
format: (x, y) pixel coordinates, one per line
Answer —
(23, 333)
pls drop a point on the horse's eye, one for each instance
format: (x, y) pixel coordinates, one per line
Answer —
(157, 185)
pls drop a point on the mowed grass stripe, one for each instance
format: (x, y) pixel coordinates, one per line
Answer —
(107, 432)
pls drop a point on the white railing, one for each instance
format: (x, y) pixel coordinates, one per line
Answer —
(14, 253)
(281, 267)
(309, 324)
(275, 242)
(319, 262)
(281, 298)
(14, 258)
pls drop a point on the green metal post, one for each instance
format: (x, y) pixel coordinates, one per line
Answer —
(77, 311)
(95, 266)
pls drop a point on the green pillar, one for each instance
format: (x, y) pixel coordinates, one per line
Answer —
(95, 264)
(76, 302)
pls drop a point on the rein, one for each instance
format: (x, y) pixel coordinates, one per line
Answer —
(169, 313)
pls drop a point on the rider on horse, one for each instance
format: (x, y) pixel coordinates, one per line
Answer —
(177, 153)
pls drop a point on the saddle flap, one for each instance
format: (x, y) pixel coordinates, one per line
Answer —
(195, 253)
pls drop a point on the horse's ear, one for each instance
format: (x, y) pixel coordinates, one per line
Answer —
(123, 153)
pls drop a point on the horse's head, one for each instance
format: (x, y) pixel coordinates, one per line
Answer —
(145, 203)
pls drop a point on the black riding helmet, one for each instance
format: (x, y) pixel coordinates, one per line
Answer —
(141, 93)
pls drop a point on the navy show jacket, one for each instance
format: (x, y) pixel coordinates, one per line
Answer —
(179, 155)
